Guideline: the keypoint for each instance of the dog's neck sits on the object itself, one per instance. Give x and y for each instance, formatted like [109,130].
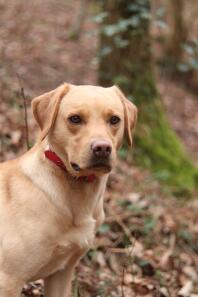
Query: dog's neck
[55,159]
[57,185]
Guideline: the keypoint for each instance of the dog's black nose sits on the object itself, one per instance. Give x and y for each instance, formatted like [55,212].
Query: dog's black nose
[101,148]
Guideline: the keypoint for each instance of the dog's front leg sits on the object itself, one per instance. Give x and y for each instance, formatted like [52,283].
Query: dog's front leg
[99,215]
[9,287]
[59,284]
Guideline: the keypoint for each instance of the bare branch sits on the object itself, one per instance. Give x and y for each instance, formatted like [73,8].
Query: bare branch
[22,92]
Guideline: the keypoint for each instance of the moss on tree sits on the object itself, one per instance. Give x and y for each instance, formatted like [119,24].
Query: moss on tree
[126,60]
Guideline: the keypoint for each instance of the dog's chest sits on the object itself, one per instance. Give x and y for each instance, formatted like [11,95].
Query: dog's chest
[69,246]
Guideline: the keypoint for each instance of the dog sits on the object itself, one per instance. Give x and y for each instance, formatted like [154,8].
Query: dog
[51,198]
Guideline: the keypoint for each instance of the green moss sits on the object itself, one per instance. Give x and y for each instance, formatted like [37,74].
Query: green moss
[158,148]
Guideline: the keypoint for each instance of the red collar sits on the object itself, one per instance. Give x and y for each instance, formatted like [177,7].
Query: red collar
[53,157]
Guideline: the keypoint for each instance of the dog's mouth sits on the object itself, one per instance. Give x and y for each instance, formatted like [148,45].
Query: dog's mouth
[75,166]
[98,166]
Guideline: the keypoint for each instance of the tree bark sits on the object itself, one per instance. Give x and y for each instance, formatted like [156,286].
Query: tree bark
[178,31]
[126,60]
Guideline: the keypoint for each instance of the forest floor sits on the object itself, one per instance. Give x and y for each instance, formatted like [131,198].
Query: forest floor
[148,244]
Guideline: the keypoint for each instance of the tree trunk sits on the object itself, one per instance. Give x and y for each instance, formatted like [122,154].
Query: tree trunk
[178,32]
[126,60]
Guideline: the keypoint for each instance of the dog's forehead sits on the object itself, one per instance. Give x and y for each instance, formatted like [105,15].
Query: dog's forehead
[92,96]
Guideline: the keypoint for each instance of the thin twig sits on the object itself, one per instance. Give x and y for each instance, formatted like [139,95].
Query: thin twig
[125,229]
[1,146]
[122,283]
[22,92]
[130,254]
[132,240]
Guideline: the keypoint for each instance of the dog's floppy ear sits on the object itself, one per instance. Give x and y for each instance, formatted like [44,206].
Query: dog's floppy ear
[130,115]
[45,108]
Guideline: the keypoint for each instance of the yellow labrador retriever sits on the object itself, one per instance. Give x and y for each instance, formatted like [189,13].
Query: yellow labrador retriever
[51,198]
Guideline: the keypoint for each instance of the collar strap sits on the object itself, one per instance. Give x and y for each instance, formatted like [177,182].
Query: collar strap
[54,158]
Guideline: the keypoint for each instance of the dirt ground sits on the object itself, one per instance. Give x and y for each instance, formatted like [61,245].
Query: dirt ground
[148,244]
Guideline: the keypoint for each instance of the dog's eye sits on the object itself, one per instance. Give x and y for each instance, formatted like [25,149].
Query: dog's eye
[114,120]
[75,119]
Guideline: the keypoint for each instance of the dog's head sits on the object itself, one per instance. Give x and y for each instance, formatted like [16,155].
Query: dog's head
[85,125]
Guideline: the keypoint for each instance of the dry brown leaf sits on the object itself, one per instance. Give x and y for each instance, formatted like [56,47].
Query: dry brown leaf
[186,289]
